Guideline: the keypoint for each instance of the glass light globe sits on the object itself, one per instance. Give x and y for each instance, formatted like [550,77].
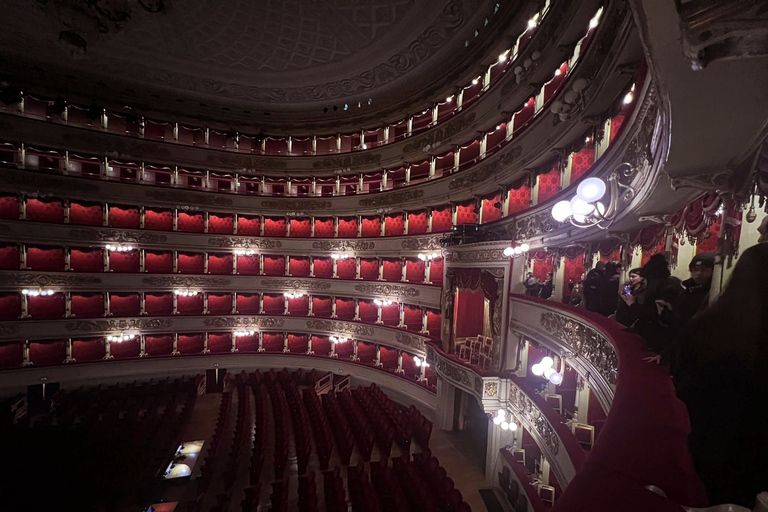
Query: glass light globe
[502,413]
[548,373]
[525,247]
[497,420]
[509,251]
[600,208]
[556,379]
[580,207]
[591,190]
[416,360]
[537,370]
[513,426]
[504,425]
[518,251]
[547,362]
[561,211]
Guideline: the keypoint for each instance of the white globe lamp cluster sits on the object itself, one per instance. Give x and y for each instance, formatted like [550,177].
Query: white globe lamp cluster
[545,369]
[584,205]
[517,251]
[420,362]
[505,423]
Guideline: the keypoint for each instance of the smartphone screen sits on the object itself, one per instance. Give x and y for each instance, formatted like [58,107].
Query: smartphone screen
[627,290]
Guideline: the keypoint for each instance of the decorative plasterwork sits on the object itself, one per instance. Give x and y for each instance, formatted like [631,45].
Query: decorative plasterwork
[99,326]
[391,290]
[490,389]
[244,243]
[343,245]
[345,162]
[477,254]
[455,374]
[260,322]
[297,204]
[189,199]
[585,341]
[485,171]
[409,340]
[116,235]
[435,138]
[422,244]
[185,281]
[295,284]
[391,198]
[526,411]
[340,327]
[30,183]
[46,280]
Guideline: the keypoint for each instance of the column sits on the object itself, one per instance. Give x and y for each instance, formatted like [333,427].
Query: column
[106,260]
[378,314]
[333,306]
[406,219]
[429,221]
[558,281]
[142,216]
[423,374]
[428,272]
[409,126]
[311,311]
[335,226]
[108,349]
[107,304]
[68,305]
[360,184]
[383,224]
[261,343]
[143,304]
[142,260]
[403,269]
[309,343]
[205,303]
[384,179]
[287,265]
[333,350]
[407,174]
[205,343]
[446,395]
[381,269]
[497,439]
[357,309]
[314,152]
[67,258]
[517,275]
[175,344]
[311,266]
[105,215]
[142,345]
[287,225]
[335,268]
[261,264]
[67,207]
[24,306]
[175,304]
[312,219]
[205,263]
[432,166]
[25,348]
[261,224]
[401,323]
[399,362]
[377,361]
[434,114]
[234,303]
[454,213]
[424,317]
[175,257]
[24,249]
[285,305]
[22,204]
[261,303]
[286,350]
[234,264]
[505,202]
[235,217]
[357,267]
[359,226]
[175,219]
[69,358]
[354,351]
[234,344]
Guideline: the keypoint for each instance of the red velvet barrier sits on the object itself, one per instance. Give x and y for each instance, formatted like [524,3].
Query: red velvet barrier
[366,352]
[48,307]
[466,214]
[519,199]
[129,261]
[87,305]
[392,269]
[347,227]
[441,220]
[247,343]
[369,269]
[417,223]
[11,355]
[45,258]
[346,269]
[159,345]
[191,222]
[301,228]
[371,226]
[413,318]
[388,358]
[369,311]
[190,344]
[9,207]
[158,218]
[248,265]
[88,350]
[10,306]
[274,265]
[248,304]
[190,263]
[47,352]
[45,211]
[491,208]
[219,303]
[192,305]
[434,320]
[220,263]
[221,223]
[345,309]
[10,257]
[159,304]
[415,270]
[299,266]
[273,341]
[299,307]
[394,225]
[125,349]
[274,304]
[298,343]
[323,267]
[88,214]
[321,345]
[86,260]
[249,226]
[125,217]
[321,306]
[274,226]
[390,315]
[323,228]
[549,184]
[220,343]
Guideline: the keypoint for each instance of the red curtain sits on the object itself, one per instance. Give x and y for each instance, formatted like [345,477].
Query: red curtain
[390,315]
[46,258]
[127,304]
[88,350]
[158,304]
[87,305]
[436,272]
[366,352]
[86,260]
[220,263]
[248,304]
[247,343]
[124,217]
[412,318]
[434,320]
[469,309]
[128,261]
[219,303]
[158,218]
[45,210]
[88,214]
[248,265]
[344,351]
[301,228]
[323,228]
[158,262]
[441,220]
[274,226]
[221,223]
[394,225]
[49,307]
[323,267]
[417,223]
[348,227]
[392,269]
[190,263]
[274,265]
[249,226]
[388,358]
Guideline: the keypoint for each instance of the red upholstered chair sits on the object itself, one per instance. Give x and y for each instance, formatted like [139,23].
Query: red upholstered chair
[323,228]
[415,270]
[248,265]
[88,350]
[48,307]
[274,226]
[436,272]
[301,228]
[47,352]
[87,305]
[45,258]
[299,266]
[221,223]
[47,210]
[89,214]
[299,307]
[158,218]
[366,352]
[346,269]
[345,308]
[248,225]
[125,217]
[128,261]
[9,207]
[190,344]
[274,265]
[321,345]
[129,304]
[392,269]
[158,262]
[369,269]
[10,257]
[434,320]
[86,260]
[11,355]
[413,318]
[417,223]
[274,304]
[394,225]
[369,311]
[10,306]
[441,220]
[219,343]
[390,315]
[298,343]
[321,306]
[191,222]
[273,341]
[220,263]
[348,227]
[323,267]
[158,345]
[371,226]
[158,304]
[219,303]
[126,349]
[192,305]
[190,263]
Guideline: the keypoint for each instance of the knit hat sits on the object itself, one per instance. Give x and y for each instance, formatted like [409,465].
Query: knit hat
[704,259]
[656,268]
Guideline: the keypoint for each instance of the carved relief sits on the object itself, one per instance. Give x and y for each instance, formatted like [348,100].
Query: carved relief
[185,281]
[491,254]
[410,340]
[265,322]
[20,179]
[296,204]
[244,243]
[491,389]
[295,284]
[482,173]
[44,280]
[187,198]
[387,289]
[345,162]
[527,411]
[341,327]
[422,244]
[388,199]
[116,235]
[435,138]
[343,245]
[142,324]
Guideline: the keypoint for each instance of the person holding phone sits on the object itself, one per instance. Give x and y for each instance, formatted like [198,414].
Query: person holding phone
[635,288]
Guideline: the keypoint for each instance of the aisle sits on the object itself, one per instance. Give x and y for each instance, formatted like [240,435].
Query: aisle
[466,474]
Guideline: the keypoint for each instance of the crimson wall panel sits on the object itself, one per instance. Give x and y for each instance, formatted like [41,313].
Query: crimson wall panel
[125,349]
[191,222]
[394,225]
[127,304]
[49,259]
[274,265]
[519,199]
[345,309]
[415,270]
[436,272]
[87,305]
[301,228]
[299,307]
[158,262]
[190,343]
[321,345]
[10,257]
[274,226]
[366,352]
[128,261]
[323,228]
[125,217]
[159,304]
[86,260]
[192,305]
[88,214]
[160,345]
[248,265]
[10,306]
[47,352]
[390,315]
[298,343]
[11,355]
[190,263]
[346,268]
[273,341]
[369,269]
[248,225]
[412,318]
[417,223]
[347,227]
[323,267]
[220,343]
[158,218]
[220,263]
[321,306]
[441,220]
[247,343]
[219,303]
[274,304]
[45,210]
[9,207]
[369,311]
[388,358]
[434,320]
[392,269]
[48,307]
[248,303]
[371,226]
[221,223]
[88,350]
[299,266]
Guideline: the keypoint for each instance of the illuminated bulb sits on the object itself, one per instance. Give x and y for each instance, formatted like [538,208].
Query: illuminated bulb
[416,361]
[502,413]
[504,425]
[561,211]
[532,23]
[503,57]
[513,426]
[537,370]
[475,81]
[547,362]
[497,420]
[591,190]
[422,257]
[449,99]
[525,247]
[581,207]
[556,379]
[509,251]
[548,372]
[593,23]
[628,98]
[558,72]
[518,251]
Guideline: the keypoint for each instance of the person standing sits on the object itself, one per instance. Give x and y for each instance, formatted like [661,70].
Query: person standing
[695,298]
[609,289]
[532,285]
[636,288]
[548,287]
[591,287]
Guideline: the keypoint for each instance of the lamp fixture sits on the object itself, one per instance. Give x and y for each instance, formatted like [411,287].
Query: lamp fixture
[533,22]
[338,339]
[244,252]
[119,248]
[120,337]
[503,56]
[341,256]
[293,295]
[585,209]
[185,293]
[420,363]
[384,302]
[40,292]
[595,19]
[517,251]
[237,334]
[429,257]
[544,369]
[501,420]
[629,97]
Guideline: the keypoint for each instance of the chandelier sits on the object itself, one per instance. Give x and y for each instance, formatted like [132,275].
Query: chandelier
[429,257]
[40,292]
[293,295]
[420,363]
[119,248]
[185,293]
[244,252]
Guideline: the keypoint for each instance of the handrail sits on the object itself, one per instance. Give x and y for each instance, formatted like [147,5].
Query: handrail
[522,476]
[470,378]
[644,439]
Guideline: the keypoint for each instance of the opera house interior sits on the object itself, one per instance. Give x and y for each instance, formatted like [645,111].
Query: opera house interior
[384,255]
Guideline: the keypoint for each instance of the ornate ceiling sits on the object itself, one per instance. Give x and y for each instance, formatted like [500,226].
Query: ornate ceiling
[235,60]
